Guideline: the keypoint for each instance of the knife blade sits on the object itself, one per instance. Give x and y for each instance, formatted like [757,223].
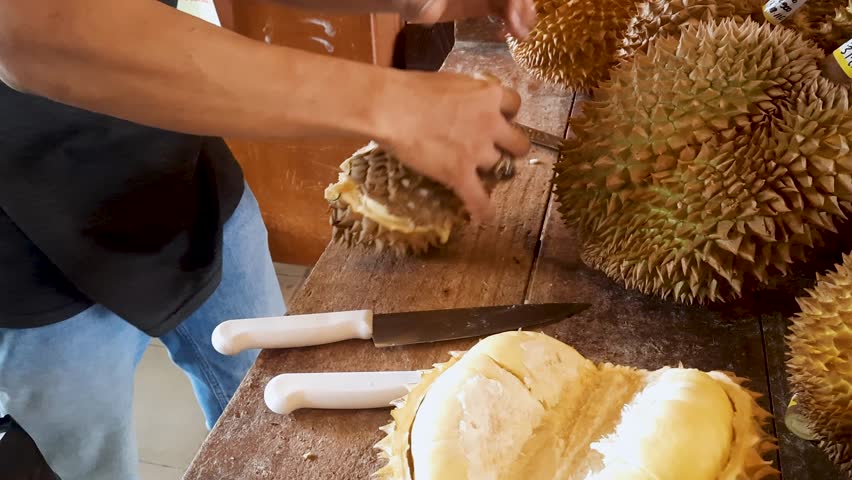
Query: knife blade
[385,330]
[540,138]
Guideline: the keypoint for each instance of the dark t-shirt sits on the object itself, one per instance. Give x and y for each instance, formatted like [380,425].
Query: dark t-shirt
[95,209]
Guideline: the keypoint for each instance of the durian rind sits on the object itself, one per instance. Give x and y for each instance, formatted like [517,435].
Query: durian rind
[656,18]
[378,202]
[494,415]
[828,23]
[709,163]
[819,362]
[574,42]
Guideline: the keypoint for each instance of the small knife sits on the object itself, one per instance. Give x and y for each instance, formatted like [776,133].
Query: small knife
[541,138]
[386,330]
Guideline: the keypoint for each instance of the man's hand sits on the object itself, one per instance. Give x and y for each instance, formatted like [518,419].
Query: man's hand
[520,15]
[447,125]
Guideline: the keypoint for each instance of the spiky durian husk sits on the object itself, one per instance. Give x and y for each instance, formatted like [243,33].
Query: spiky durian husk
[826,22]
[819,362]
[574,42]
[395,447]
[714,160]
[667,17]
[598,393]
[424,211]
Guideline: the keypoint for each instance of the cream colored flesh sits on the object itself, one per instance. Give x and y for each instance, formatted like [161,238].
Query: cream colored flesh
[348,191]
[522,405]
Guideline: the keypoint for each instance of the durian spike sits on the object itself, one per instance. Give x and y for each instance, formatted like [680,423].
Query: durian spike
[819,363]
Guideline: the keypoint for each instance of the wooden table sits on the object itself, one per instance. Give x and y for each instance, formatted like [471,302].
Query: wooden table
[525,255]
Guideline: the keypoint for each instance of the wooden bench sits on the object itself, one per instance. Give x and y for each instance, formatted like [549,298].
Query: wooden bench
[526,255]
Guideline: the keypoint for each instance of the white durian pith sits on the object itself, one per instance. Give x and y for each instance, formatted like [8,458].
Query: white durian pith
[522,405]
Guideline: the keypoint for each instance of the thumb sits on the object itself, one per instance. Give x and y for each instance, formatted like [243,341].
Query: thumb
[474,196]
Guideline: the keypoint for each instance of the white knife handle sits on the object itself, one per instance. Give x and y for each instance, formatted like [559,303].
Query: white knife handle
[337,390]
[291,331]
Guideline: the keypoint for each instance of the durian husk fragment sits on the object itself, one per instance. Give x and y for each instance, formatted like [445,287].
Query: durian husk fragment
[378,202]
[582,420]
[819,362]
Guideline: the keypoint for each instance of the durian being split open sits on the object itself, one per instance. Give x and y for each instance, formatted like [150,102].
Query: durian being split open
[709,163]
[819,362]
[523,405]
[379,202]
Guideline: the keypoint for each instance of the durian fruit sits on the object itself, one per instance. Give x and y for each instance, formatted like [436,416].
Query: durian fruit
[523,405]
[819,363]
[574,42]
[709,163]
[826,22]
[667,17]
[379,202]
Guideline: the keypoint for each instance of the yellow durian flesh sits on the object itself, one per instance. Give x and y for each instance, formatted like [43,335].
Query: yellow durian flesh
[523,405]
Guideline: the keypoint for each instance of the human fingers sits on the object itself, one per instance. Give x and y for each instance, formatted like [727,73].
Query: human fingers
[472,193]
[512,140]
[510,100]
[518,18]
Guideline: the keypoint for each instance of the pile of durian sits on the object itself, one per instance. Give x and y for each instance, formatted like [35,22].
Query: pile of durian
[523,405]
[576,43]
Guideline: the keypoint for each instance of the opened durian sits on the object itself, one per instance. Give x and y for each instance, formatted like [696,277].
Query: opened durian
[709,163]
[523,405]
[819,363]
[574,42]
[379,202]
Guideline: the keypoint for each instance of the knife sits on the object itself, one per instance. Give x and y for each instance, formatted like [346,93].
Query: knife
[386,330]
[289,392]
[540,138]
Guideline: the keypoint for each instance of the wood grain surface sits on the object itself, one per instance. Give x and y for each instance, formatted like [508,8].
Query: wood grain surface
[488,265]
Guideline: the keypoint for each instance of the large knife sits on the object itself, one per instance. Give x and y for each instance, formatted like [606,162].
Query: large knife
[386,330]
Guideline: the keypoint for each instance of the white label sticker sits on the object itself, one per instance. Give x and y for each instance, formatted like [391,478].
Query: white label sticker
[843,55]
[776,11]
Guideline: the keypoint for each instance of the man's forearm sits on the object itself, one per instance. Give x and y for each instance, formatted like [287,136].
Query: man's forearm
[148,63]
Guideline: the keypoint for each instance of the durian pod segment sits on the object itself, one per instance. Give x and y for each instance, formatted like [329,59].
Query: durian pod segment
[710,163]
[819,362]
[574,42]
[378,202]
[523,405]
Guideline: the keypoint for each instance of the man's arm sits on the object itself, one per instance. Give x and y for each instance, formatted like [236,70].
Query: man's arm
[519,14]
[146,62]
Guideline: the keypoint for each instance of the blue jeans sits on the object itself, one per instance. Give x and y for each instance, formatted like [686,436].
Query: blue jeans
[70,384]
